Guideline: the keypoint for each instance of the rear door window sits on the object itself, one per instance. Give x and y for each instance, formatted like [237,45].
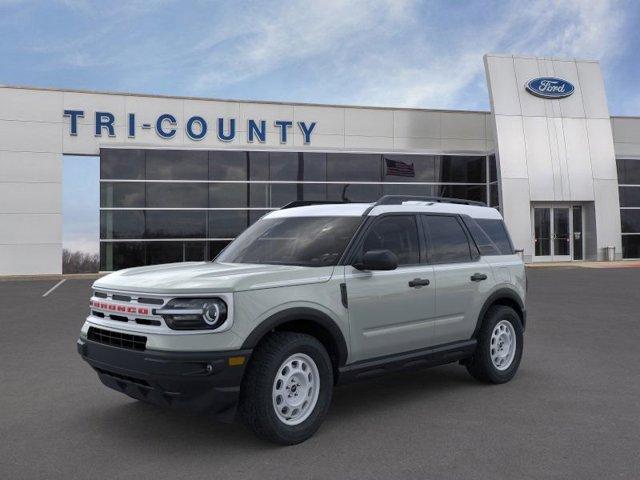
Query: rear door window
[448,242]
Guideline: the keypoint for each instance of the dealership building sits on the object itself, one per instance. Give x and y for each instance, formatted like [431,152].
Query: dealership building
[181,177]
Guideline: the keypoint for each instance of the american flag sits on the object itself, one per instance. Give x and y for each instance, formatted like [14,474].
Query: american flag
[398,168]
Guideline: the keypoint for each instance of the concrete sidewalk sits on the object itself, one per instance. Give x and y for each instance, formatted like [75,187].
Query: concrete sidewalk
[66,276]
[585,264]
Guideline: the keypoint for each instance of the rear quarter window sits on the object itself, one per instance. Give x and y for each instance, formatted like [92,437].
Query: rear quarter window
[485,245]
[497,232]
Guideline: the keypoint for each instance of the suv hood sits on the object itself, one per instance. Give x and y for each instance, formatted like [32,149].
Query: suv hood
[209,277]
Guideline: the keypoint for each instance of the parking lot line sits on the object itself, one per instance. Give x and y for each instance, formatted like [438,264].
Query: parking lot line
[54,287]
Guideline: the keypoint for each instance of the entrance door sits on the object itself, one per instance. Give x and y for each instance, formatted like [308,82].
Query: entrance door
[557,233]
[542,234]
[561,251]
[577,233]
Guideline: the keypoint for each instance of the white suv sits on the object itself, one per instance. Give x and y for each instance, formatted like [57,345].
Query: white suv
[310,296]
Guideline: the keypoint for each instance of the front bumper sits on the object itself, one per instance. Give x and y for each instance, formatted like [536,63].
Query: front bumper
[193,381]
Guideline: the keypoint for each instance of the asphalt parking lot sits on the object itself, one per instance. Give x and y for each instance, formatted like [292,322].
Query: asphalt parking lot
[573,410]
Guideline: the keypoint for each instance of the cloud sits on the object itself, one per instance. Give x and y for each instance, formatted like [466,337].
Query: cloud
[544,28]
[286,34]
[381,56]
[387,52]
[82,243]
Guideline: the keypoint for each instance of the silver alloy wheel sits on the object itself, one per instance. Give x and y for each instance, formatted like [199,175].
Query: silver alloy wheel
[296,389]
[503,345]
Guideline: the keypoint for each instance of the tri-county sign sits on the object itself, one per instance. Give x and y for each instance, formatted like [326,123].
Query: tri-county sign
[196,127]
[549,87]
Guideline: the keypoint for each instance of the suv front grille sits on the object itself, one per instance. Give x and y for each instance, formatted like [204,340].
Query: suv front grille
[117,339]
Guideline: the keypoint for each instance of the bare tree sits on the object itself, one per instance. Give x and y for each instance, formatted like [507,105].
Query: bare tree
[79,262]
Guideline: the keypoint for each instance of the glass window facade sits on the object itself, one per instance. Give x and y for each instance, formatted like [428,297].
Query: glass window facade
[161,206]
[629,191]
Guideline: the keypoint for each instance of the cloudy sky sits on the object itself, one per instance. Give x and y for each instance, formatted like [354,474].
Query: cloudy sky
[392,53]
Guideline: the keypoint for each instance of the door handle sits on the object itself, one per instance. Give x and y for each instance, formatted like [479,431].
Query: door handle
[419,282]
[478,277]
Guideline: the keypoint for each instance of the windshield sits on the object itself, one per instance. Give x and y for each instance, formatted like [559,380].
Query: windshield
[304,241]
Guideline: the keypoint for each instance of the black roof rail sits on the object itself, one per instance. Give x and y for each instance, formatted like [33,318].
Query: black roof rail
[306,203]
[398,199]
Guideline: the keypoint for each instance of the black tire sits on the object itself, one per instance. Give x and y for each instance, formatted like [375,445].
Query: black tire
[480,365]
[256,401]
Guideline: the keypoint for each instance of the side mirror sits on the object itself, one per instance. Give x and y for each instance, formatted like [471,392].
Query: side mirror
[377,260]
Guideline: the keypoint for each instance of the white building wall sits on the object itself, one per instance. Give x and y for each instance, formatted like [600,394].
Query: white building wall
[553,150]
[30,182]
[548,150]
[34,135]
[338,127]
[626,136]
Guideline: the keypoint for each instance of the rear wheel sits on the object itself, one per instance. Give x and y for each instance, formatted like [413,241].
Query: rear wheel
[286,391]
[500,343]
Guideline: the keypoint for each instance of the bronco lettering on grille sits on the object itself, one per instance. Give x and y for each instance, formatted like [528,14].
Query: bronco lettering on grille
[112,307]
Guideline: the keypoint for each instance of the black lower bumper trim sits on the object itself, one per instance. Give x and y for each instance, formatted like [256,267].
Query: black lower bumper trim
[194,381]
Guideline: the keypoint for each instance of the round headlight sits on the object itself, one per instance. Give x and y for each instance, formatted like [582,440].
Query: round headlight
[194,313]
[214,313]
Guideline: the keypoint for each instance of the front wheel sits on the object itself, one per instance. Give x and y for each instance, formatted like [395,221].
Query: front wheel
[500,343]
[287,388]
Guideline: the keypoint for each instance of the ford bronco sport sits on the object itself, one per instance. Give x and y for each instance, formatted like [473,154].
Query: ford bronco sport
[308,297]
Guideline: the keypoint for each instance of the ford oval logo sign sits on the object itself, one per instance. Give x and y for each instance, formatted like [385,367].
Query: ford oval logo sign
[549,87]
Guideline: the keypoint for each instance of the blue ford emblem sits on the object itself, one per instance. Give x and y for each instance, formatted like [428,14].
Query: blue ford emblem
[549,87]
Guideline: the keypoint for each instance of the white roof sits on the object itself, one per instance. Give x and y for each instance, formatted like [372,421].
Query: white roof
[358,209]
[328,210]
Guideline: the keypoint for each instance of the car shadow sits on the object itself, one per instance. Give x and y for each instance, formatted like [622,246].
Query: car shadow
[130,422]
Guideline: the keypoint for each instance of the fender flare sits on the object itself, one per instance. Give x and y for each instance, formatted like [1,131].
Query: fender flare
[300,313]
[502,293]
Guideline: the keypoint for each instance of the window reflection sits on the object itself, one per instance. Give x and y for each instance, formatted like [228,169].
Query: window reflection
[177,195]
[265,180]
[314,166]
[215,248]
[176,165]
[118,255]
[227,223]
[493,168]
[128,195]
[354,167]
[228,195]
[353,192]
[628,171]
[258,166]
[283,193]
[629,196]
[630,221]
[228,165]
[175,224]
[116,224]
[477,193]
[409,168]
[461,169]
[631,246]
[125,164]
[284,166]
[164,252]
